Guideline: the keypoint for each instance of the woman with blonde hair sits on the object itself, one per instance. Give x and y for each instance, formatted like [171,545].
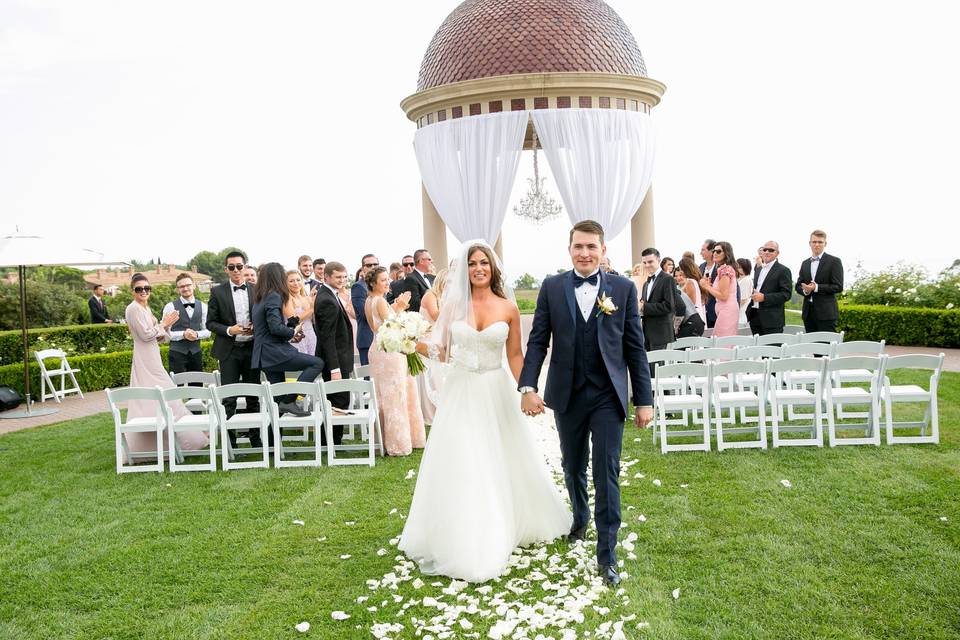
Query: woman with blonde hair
[300,304]
[430,303]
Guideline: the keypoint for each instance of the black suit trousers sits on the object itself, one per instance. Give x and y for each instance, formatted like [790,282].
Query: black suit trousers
[757,329]
[811,324]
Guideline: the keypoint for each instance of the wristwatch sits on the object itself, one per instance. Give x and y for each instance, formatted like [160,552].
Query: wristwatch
[525,390]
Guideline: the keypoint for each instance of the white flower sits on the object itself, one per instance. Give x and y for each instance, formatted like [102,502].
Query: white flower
[606,305]
[641,518]
[381,552]
[303,627]
[949,305]
[786,483]
[899,290]
[299,522]
[339,615]
[410,474]
[943,518]
[346,556]
[676,593]
[657,483]
[889,289]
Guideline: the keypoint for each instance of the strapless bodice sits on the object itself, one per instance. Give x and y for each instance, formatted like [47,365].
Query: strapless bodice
[478,351]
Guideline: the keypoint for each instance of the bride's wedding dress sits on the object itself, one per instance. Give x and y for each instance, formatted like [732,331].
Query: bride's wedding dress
[484,487]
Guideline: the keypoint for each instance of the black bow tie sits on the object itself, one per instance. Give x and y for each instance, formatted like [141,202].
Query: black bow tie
[650,279]
[189,304]
[577,280]
[815,259]
[243,287]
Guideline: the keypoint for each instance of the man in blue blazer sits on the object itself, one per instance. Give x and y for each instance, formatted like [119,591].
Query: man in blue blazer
[593,322]
[358,297]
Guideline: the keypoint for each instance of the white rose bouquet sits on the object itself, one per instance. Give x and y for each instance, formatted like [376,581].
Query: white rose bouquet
[400,334]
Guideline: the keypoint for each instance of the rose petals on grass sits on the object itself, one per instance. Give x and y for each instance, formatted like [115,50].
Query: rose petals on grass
[298,522]
[345,556]
[786,483]
[943,518]
[641,518]
[676,593]
[339,615]
[303,627]
[410,474]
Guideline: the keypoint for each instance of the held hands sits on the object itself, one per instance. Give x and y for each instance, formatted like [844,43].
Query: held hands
[643,416]
[531,404]
[807,287]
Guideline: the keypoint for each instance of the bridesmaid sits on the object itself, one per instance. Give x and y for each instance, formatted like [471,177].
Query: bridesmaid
[430,303]
[147,369]
[301,305]
[724,290]
[396,389]
[427,384]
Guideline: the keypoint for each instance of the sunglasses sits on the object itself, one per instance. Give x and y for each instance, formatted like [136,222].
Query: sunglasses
[408,264]
[767,250]
[146,289]
[236,267]
[371,265]
[718,250]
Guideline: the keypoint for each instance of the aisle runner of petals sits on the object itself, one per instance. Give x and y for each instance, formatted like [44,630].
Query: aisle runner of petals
[541,595]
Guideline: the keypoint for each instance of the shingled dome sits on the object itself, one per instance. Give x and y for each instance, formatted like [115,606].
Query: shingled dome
[485,38]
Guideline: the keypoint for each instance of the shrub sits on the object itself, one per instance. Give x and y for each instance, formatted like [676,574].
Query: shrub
[48,305]
[901,325]
[906,285]
[78,340]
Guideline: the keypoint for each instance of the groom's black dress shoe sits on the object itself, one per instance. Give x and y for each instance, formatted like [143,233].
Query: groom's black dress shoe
[609,574]
[577,534]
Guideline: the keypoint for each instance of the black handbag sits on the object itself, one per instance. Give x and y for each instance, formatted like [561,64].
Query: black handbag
[9,398]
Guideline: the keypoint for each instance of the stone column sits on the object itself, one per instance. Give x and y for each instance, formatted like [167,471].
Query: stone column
[434,232]
[641,227]
[498,248]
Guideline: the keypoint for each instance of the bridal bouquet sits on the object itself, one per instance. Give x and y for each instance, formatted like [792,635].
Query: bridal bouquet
[400,334]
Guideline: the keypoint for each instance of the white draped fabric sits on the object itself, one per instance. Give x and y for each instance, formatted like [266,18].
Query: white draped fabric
[468,166]
[602,160]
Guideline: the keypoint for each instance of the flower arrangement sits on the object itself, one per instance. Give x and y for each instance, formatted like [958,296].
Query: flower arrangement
[400,334]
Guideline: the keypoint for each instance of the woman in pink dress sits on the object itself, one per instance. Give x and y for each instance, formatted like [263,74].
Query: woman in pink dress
[397,392]
[147,370]
[300,304]
[724,290]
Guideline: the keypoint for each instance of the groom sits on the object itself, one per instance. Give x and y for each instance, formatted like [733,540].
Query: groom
[593,320]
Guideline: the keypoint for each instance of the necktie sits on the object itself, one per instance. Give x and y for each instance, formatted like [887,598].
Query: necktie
[241,287]
[578,281]
[190,305]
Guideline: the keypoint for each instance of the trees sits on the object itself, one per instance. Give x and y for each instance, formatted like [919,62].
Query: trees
[526,282]
[211,263]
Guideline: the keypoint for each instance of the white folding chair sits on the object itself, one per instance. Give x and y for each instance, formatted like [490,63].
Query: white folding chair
[205,422]
[314,399]
[244,422]
[691,342]
[855,348]
[698,384]
[780,397]
[751,381]
[837,394]
[708,332]
[743,398]
[744,331]
[146,424]
[190,378]
[793,329]
[690,400]
[368,416]
[735,341]
[778,339]
[911,393]
[822,336]
[801,379]
[359,372]
[660,357]
[64,370]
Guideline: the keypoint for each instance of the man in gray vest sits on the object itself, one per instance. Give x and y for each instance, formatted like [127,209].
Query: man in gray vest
[189,329]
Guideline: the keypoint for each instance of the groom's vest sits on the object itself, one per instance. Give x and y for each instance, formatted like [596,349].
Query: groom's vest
[185,322]
[587,359]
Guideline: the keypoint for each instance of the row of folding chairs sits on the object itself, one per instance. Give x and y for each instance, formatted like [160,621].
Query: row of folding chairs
[761,388]
[212,420]
[750,340]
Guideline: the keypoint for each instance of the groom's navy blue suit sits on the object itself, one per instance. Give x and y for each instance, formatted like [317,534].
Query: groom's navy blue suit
[587,390]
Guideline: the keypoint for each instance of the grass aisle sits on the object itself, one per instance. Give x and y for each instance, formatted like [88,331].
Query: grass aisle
[856,548]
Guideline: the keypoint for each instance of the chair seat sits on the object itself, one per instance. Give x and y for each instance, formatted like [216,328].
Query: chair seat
[145,423]
[681,401]
[736,397]
[752,379]
[854,375]
[62,370]
[850,393]
[906,393]
[356,415]
[801,377]
[792,395]
[242,420]
[702,380]
[192,422]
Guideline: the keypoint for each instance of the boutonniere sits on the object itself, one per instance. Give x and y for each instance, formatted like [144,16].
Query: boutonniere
[605,305]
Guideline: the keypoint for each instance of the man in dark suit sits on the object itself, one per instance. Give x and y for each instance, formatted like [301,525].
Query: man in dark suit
[358,297]
[334,335]
[420,279]
[228,317]
[772,288]
[709,270]
[819,282]
[658,303]
[98,309]
[396,282]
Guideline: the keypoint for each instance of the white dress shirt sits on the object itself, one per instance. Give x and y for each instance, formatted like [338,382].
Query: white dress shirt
[178,335]
[241,305]
[764,271]
[424,276]
[814,265]
[587,296]
[649,285]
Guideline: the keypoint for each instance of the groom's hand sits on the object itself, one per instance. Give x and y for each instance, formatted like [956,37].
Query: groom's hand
[531,404]
[643,416]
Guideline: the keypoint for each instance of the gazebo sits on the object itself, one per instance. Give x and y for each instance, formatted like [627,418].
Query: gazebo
[495,71]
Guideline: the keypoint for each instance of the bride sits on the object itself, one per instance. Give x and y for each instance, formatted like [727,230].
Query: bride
[483,487]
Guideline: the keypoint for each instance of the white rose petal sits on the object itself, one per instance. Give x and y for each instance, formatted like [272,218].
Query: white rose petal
[327,502]
[676,593]
[381,552]
[657,483]
[786,483]
[340,615]
[410,474]
[322,539]
[393,511]
[684,486]
[641,518]
[349,523]
[303,627]
[346,556]
[943,518]
[299,522]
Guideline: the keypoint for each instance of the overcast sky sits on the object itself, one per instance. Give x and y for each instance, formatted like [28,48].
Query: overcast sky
[144,128]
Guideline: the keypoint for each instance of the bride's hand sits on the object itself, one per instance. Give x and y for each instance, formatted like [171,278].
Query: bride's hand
[531,404]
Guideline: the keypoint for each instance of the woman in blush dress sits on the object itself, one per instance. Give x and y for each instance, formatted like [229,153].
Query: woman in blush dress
[428,384]
[745,287]
[724,290]
[301,305]
[147,370]
[397,395]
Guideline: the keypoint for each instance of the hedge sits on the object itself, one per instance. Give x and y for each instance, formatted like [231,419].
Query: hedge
[79,339]
[907,326]
[97,371]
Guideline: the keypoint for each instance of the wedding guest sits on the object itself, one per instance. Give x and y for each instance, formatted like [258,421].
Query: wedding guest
[273,330]
[396,281]
[318,265]
[334,335]
[147,369]
[305,266]
[658,304]
[397,392]
[98,308]
[299,304]
[819,282]
[605,264]
[420,279]
[744,289]
[189,329]
[709,271]
[667,265]
[430,304]
[723,290]
[688,277]
[408,264]
[689,254]
[250,274]
[772,288]
[228,317]
[358,298]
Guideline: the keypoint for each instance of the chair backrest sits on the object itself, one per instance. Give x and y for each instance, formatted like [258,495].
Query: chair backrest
[822,336]
[916,361]
[739,366]
[238,389]
[708,332]
[735,341]
[858,347]
[796,364]
[362,371]
[298,388]
[778,338]
[807,349]
[187,393]
[126,394]
[691,342]
[49,354]
[196,377]
[871,363]
[346,385]
[667,356]
[679,369]
[762,352]
[744,331]
[793,329]
[710,354]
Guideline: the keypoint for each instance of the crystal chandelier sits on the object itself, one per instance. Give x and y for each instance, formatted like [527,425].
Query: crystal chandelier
[537,206]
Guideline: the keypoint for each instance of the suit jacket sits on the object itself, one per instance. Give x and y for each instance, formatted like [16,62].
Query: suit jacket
[659,310]
[334,333]
[221,314]
[271,335]
[777,289]
[619,336]
[358,296]
[417,287]
[823,303]
[98,311]
[396,288]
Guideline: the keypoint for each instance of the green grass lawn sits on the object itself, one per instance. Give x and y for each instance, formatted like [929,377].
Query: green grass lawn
[854,549]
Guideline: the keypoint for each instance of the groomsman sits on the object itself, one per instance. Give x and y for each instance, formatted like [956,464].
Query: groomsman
[228,317]
[318,266]
[305,266]
[250,275]
[709,270]
[98,309]
[657,303]
[335,334]
[819,282]
[187,332]
[420,279]
[358,298]
[772,289]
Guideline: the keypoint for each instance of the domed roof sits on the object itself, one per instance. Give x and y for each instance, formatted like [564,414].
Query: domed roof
[484,38]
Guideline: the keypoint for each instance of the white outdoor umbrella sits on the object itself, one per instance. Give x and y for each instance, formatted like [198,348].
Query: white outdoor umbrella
[22,250]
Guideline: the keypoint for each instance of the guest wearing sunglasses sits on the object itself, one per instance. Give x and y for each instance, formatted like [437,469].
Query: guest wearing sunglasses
[147,369]
[724,290]
[358,298]
[772,288]
[419,280]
